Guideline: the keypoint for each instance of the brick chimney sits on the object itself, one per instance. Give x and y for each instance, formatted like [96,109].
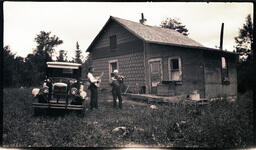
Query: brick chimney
[143,20]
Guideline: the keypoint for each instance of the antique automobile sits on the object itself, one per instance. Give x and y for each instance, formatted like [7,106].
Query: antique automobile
[61,89]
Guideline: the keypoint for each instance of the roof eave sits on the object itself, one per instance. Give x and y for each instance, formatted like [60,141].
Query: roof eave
[95,39]
[188,46]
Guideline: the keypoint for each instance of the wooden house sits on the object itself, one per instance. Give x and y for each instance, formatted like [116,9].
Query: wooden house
[162,61]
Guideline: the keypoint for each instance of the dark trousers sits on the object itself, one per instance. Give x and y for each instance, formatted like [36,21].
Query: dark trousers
[116,92]
[94,97]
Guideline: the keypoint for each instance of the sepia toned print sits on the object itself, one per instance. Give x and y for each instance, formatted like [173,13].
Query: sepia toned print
[128,75]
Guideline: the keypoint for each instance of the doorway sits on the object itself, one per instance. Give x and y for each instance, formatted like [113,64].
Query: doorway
[155,74]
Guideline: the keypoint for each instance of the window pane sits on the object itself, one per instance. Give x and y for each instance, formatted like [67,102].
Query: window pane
[112,42]
[175,64]
[175,76]
[175,72]
[113,66]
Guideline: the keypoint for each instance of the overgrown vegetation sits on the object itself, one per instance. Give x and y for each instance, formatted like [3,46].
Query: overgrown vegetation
[246,67]
[219,124]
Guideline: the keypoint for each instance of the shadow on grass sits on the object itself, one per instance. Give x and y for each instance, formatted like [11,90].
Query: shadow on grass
[55,113]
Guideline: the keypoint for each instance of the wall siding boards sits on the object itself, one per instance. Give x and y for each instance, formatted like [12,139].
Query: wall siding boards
[191,60]
[213,78]
[122,49]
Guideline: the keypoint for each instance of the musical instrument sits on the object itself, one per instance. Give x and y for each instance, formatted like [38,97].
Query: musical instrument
[97,84]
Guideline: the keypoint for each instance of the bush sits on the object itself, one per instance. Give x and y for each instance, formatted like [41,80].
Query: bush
[220,124]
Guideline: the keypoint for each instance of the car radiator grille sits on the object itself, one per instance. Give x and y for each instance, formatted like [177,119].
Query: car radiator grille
[59,90]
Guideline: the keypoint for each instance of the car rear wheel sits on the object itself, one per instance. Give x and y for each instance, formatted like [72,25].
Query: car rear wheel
[82,111]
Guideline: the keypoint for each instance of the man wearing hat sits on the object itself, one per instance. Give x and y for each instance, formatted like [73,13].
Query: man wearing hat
[93,88]
[116,90]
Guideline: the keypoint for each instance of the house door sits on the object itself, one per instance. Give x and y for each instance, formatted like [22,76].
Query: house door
[155,72]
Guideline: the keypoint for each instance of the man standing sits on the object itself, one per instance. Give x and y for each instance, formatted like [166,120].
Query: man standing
[93,88]
[116,89]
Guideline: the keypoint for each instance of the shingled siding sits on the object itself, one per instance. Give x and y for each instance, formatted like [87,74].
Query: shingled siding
[130,65]
[191,62]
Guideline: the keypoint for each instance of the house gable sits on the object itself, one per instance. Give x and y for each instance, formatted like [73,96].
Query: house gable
[112,27]
[126,42]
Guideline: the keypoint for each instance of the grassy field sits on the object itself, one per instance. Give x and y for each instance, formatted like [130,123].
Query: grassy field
[219,124]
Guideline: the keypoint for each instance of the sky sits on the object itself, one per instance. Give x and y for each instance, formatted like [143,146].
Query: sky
[82,21]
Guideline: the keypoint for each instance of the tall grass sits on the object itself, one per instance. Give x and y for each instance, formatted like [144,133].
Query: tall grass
[218,124]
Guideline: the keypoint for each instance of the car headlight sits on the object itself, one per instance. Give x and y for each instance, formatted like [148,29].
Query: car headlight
[73,91]
[46,90]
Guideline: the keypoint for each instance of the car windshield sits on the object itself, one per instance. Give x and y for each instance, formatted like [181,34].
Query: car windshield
[65,73]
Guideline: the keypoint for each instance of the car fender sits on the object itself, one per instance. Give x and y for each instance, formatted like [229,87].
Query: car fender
[35,92]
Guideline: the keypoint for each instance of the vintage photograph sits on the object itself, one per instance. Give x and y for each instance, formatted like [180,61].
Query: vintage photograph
[128,74]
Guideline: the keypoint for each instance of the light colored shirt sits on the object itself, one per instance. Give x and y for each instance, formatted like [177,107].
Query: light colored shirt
[91,78]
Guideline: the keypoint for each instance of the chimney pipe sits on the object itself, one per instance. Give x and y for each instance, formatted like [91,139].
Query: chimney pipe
[221,36]
[142,20]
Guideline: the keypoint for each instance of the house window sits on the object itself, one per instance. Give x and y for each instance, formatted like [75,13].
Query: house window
[224,69]
[113,65]
[112,40]
[174,67]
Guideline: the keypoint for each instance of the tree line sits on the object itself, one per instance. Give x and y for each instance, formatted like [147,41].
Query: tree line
[30,71]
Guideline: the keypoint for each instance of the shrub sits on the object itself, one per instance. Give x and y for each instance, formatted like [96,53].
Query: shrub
[220,124]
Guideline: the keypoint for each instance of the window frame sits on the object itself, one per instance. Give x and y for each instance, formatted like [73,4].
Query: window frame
[170,68]
[110,67]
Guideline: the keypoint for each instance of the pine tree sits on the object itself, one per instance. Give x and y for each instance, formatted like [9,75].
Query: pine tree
[175,25]
[245,68]
[78,56]
[244,40]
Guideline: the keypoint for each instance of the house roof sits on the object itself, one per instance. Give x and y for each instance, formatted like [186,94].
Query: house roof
[157,34]
[154,34]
